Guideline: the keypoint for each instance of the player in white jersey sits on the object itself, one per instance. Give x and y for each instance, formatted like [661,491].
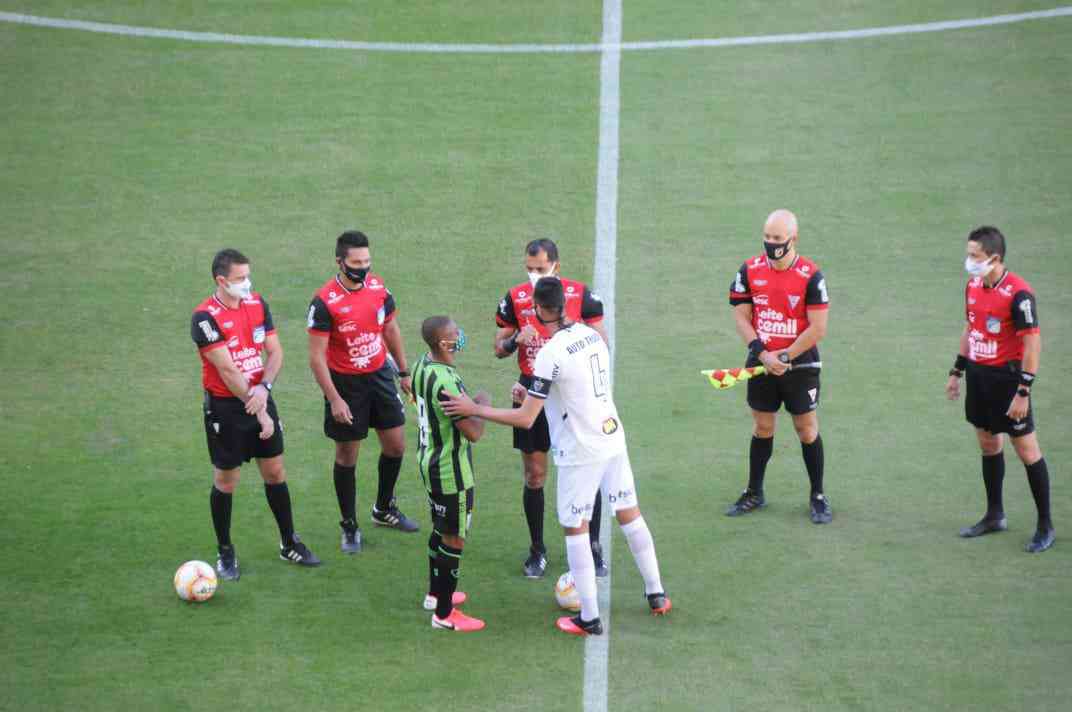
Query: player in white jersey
[571,379]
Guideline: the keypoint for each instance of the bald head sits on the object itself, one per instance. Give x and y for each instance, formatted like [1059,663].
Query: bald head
[780,225]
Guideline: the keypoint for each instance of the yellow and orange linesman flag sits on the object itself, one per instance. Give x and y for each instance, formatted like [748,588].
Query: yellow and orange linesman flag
[727,378]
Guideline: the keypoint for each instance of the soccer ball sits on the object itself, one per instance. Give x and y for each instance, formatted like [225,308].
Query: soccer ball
[195,581]
[566,593]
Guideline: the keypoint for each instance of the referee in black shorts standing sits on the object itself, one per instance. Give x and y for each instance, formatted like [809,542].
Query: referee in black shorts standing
[233,331]
[999,353]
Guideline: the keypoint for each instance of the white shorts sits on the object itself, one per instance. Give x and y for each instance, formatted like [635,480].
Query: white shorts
[578,484]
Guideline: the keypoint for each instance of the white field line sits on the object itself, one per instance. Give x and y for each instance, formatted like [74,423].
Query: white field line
[597,648]
[449,48]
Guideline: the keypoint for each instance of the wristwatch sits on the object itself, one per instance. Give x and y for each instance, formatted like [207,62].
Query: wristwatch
[267,385]
[1023,392]
[783,357]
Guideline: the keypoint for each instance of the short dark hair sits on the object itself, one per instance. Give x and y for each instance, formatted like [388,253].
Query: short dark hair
[349,240]
[548,293]
[221,263]
[990,240]
[431,328]
[543,245]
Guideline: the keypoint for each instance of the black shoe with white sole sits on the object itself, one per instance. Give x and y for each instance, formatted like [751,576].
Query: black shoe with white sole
[227,563]
[298,553]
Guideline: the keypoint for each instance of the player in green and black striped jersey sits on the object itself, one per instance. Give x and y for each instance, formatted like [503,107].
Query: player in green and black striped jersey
[445,460]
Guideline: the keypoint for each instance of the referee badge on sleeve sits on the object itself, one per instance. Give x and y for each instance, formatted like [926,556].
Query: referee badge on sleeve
[258,335]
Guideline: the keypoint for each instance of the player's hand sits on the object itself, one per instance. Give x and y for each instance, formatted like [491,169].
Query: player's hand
[773,365]
[517,393]
[460,405]
[258,399]
[341,412]
[267,426]
[482,398]
[952,388]
[527,335]
[1018,407]
[406,384]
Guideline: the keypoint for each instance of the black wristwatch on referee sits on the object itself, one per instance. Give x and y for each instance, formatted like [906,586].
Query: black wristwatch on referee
[959,366]
[267,385]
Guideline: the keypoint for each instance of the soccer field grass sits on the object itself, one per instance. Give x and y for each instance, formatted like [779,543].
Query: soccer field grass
[127,162]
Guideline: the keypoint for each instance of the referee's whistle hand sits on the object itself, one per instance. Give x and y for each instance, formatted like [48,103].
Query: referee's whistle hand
[341,412]
[952,388]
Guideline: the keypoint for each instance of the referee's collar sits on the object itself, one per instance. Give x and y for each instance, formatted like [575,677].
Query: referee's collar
[997,283]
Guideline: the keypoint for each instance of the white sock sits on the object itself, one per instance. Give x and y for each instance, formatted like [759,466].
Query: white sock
[579,555]
[643,548]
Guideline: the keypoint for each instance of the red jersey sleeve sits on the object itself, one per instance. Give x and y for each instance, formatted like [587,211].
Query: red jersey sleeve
[740,292]
[319,317]
[205,332]
[591,307]
[1025,312]
[815,296]
[504,315]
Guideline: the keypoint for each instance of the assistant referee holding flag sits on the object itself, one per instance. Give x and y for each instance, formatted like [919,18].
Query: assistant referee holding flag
[999,352]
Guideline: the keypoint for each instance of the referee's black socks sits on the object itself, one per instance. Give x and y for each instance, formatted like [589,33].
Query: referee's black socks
[389,469]
[759,454]
[346,490]
[279,501]
[448,563]
[813,460]
[532,501]
[1038,476]
[220,504]
[993,476]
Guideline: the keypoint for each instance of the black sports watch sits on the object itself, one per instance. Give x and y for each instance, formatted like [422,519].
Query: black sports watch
[267,385]
[783,357]
[1023,392]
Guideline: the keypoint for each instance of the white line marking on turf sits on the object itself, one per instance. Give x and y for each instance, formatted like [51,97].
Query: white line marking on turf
[597,648]
[448,48]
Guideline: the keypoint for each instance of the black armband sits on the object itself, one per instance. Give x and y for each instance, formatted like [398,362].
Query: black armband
[403,374]
[1027,379]
[961,363]
[756,347]
[510,345]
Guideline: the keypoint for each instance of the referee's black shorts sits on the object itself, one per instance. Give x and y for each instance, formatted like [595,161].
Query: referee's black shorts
[374,403]
[538,437]
[234,436]
[798,389]
[988,393]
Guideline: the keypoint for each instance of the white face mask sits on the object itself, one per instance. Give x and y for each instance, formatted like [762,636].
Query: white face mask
[978,269]
[239,290]
[535,277]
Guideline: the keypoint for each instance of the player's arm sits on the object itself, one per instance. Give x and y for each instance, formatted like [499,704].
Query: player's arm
[952,386]
[523,417]
[273,350]
[319,328]
[592,313]
[812,335]
[1025,320]
[506,336]
[817,302]
[505,341]
[471,427]
[234,379]
[392,336]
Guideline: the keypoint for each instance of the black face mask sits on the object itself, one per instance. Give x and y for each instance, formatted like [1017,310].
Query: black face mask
[354,275]
[777,250]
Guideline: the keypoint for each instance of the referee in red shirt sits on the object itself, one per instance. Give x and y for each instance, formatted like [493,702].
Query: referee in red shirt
[351,329]
[231,329]
[780,308]
[999,352]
